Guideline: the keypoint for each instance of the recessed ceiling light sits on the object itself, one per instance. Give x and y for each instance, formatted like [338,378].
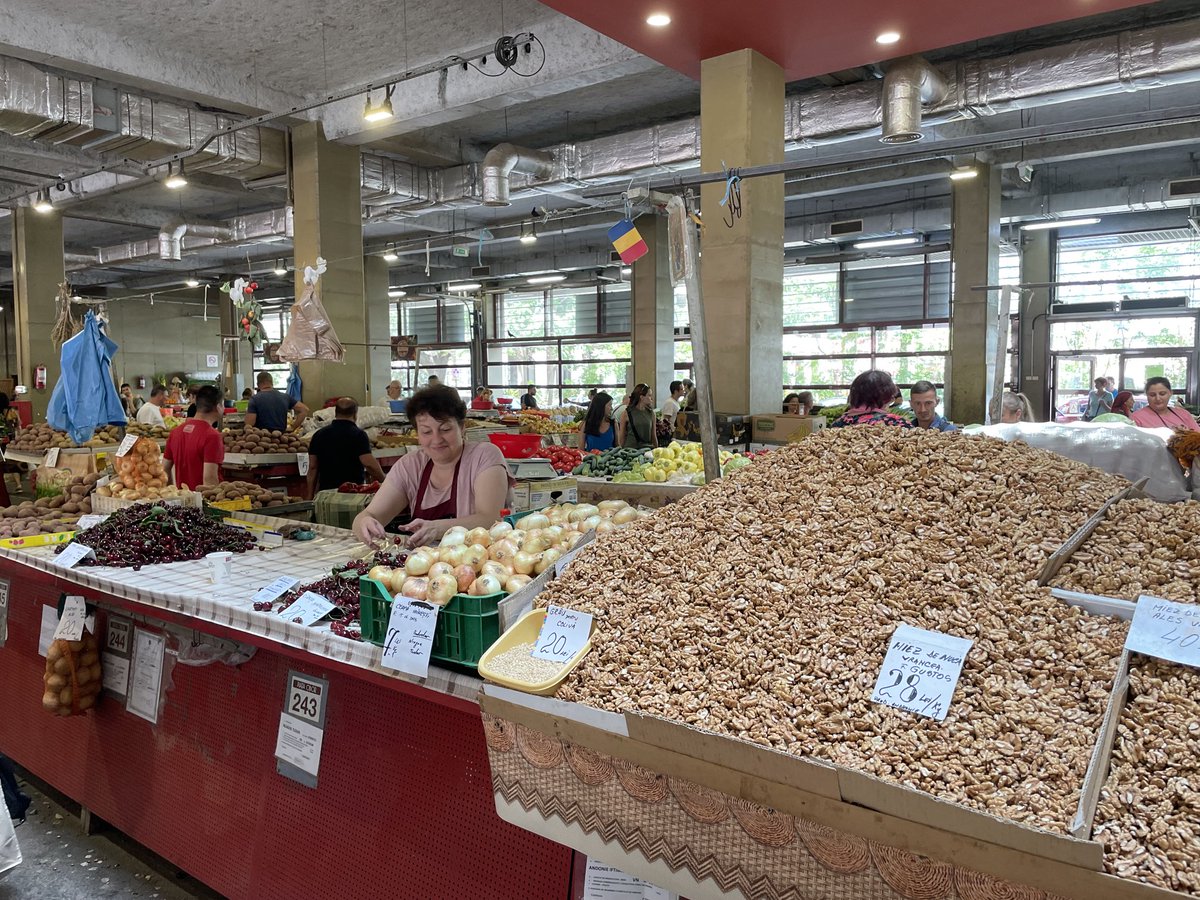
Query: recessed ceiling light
[885,242]
[1059,223]
[658,20]
[546,279]
[472,286]
[963,174]
[888,37]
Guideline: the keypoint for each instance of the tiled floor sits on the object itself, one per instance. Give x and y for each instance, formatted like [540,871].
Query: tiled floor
[62,863]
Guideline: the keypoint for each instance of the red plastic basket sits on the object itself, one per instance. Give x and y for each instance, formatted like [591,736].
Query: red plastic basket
[517,446]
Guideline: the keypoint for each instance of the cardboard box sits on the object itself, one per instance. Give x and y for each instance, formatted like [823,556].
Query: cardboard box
[732,430]
[540,493]
[779,428]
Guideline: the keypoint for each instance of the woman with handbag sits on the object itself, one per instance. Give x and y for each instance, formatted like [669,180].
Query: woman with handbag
[635,428]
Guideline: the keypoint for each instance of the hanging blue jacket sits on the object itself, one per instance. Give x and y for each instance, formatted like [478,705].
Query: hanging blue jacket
[295,385]
[85,397]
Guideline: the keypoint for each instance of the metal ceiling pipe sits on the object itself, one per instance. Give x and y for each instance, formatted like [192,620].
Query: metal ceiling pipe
[241,229]
[170,239]
[504,159]
[909,83]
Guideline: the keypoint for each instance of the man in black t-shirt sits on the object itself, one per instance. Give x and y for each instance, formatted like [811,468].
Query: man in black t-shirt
[341,452]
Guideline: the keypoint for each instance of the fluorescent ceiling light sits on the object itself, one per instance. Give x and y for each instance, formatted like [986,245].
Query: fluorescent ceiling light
[546,279]
[397,292]
[887,37]
[175,179]
[963,174]
[42,204]
[848,300]
[658,20]
[471,286]
[389,255]
[885,242]
[1059,223]
[787,245]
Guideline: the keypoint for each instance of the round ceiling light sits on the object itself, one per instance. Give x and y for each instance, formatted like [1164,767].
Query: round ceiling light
[658,20]
[888,37]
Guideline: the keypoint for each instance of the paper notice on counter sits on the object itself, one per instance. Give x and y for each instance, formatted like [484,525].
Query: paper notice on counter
[275,589]
[309,608]
[604,882]
[51,458]
[299,743]
[920,671]
[302,463]
[72,554]
[49,626]
[70,624]
[146,675]
[409,638]
[1166,629]
[564,632]
[116,674]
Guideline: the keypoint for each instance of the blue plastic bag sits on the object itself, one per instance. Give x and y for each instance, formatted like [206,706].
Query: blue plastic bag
[295,385]
[85,397]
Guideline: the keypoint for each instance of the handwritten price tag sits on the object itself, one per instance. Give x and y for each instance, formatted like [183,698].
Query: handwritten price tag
[90,520]
[127,444]
[1166,629]
[70,625]
[72,554]
[309,608]
[410,637]
[920,671]
[275,589]
[302,463]
[564,632]
[51,459]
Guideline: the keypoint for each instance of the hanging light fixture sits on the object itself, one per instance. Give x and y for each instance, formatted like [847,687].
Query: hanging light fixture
[280,267]
[42,204]
[175,179]
[192,281]
[389,254]
[381,112]
[529,233]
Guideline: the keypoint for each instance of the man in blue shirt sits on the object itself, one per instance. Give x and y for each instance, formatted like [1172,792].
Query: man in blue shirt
[268,408]
[923,399]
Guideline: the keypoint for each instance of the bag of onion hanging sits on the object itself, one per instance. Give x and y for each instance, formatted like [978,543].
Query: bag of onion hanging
[73,676]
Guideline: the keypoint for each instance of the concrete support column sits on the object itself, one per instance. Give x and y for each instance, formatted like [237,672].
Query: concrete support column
[1037,267]
[38,270]
[379,329]
[328,223]
[653,308]
[973,329]
[741,124]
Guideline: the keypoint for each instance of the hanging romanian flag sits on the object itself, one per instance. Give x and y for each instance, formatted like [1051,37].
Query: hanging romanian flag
[627,241]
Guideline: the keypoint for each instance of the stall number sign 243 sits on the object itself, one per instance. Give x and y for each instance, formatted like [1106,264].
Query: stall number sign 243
[304,699]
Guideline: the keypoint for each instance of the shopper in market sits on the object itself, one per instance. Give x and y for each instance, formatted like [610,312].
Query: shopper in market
[1159,413]
[597,431]
[1099,400]
[635,427]
[394,390]
[130,401]
[798,404]
[150,412]
[195,450]
[447,482]
[923,398]
[1015,408]
[529,398]
[341,451]
[671,406]
[871,396]
[269,408]
[1122,407]
[483,399]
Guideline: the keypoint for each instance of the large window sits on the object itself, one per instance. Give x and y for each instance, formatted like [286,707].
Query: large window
[442,327]
[1131,258]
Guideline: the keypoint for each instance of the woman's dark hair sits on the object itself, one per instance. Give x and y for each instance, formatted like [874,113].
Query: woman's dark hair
[873,389]
[4,402]
[635,396]
[438,401]
[595,413]
[789,398]
[1158,379]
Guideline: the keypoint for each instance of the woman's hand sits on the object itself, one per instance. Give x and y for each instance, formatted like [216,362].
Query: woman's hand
[368,529]
[425,531]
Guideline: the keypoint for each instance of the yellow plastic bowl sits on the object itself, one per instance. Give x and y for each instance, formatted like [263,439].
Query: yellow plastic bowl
[526,630]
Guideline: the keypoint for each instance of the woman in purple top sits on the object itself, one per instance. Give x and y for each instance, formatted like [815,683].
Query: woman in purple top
[871,393]
[447,482]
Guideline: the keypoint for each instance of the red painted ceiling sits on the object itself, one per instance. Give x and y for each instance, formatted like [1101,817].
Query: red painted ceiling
[815,37]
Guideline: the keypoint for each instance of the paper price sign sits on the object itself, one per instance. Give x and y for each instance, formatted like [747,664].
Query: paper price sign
[51,459]
[920,671]
[72,554]
[70,624]
[127,444]
[564,632]
[275,589]
[1166,629]
[90,520]
[302,463]
[309,608]
[410,637]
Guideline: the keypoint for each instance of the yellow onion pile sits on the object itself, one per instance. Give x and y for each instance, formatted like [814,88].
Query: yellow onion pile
[503,558]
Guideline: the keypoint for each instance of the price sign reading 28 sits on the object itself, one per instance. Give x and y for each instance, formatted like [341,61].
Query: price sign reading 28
[920,671]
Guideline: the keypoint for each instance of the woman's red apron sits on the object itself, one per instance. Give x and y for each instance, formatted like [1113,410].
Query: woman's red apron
[447,509]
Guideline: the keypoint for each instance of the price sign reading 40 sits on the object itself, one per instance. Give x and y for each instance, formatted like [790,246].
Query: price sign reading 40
[1167,630]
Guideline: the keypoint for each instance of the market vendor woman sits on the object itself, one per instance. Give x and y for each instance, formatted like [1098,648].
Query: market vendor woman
[447,482]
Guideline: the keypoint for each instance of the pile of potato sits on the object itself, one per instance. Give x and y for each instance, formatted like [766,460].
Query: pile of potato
[104,437]
[385,440]
[259,497]
[151,431]
[49,514]
[73,676]
[258,440]
[39,438]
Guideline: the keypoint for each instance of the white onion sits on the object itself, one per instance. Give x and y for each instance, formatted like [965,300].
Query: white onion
[557,517]
[382,574]
[535,522]
[454,537]
[625,516]
[611,507]
[582,511]
[500,530]
[516,582]
[497,570]
[605,527]
[524,562]
[573,539]
[464,575]
[502,552]
[536,543]
[485,584]
[554,532]
[454,555]
[440,568]
[475,556]
[479,536]
[442,589]
[516,537]
[546,560]
[418,562]
[416,588]
[591,523]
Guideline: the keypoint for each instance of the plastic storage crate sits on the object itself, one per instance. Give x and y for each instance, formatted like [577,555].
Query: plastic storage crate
[466,627]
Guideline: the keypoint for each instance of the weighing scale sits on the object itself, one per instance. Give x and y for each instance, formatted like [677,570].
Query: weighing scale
[531,469]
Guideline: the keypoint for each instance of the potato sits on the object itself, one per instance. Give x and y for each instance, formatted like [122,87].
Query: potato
[75,646]
[89,658]
[64,711]
[97,673]
[87,702]
[50,701]
[83,675]
[55,682]
[65,696]
[54,652]
[62,666]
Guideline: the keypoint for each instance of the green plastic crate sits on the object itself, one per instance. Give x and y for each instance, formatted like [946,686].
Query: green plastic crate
[467,626]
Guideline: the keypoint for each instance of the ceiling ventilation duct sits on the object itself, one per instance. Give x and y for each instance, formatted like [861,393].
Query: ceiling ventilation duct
[504,159]
[37,104]
[170,239]
[909,84]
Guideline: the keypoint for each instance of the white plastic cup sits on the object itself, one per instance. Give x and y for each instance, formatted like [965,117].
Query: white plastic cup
[220,566]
